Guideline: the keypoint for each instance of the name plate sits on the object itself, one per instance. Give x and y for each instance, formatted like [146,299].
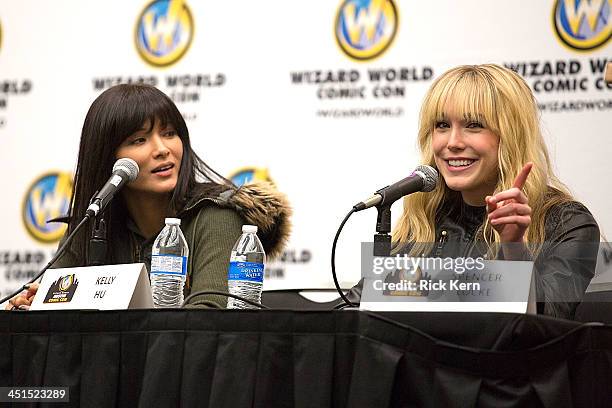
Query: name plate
[602,281]
[429,284]
[105,287]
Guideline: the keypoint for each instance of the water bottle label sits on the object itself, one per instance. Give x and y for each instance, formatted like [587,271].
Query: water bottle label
[246,271]
[169,265]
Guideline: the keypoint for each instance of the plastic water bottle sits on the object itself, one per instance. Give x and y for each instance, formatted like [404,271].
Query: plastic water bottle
[169,265]
[246,269]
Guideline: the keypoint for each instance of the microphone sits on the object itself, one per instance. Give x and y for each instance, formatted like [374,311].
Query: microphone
[423,178]
[124,170]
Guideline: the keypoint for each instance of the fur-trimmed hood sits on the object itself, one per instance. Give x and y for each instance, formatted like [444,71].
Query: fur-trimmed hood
[259,203]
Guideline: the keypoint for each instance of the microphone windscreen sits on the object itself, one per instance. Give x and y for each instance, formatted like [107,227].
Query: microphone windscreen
[129,166]
[431,177]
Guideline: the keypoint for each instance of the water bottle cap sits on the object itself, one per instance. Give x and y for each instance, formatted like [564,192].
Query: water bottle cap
[172,221]
[249,228]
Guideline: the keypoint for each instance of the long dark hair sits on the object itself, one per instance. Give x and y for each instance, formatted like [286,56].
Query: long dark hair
[117,113]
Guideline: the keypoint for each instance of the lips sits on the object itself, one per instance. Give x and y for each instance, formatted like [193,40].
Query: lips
[457,164]
[163,168]
[460,162]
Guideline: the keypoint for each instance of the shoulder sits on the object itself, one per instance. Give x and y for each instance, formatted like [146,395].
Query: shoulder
[571,216]
[211,211]
[259,204]
[209,215]
[203,194]
[568,210]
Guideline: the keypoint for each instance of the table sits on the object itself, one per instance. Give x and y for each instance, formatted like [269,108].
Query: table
[276,358]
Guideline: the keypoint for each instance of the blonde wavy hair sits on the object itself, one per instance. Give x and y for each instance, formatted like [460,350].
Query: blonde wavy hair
[503,100]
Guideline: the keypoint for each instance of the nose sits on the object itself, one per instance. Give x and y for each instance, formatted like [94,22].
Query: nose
[159,147]
[455,139]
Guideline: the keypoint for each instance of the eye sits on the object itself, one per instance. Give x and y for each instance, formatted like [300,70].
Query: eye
[138,141]
[170,133]
[474,125]
[441,125]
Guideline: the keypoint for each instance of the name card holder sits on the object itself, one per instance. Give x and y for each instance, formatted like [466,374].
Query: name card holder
[602,281]
[499,286]
[106,287]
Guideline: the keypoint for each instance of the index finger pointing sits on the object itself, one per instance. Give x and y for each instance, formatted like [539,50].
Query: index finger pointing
[519,181]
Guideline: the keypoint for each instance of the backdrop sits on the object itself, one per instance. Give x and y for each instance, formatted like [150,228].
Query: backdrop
[319,96]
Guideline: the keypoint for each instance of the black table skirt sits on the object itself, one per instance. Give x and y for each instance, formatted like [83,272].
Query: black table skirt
[211,358]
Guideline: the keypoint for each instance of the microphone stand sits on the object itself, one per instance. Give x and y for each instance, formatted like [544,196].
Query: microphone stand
[96,251]
[382,239]
[382,242]
[96,255]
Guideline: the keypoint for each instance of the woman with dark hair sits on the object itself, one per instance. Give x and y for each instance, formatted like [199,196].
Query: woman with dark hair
[141,123]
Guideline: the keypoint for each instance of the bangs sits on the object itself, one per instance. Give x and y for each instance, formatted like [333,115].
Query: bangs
[465,94]
[139,106]
[144,106]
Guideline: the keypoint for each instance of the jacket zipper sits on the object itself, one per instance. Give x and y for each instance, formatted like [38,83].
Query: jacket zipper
[441,242]
[137,250]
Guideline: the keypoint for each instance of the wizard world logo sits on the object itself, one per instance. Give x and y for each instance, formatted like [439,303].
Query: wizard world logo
[366,28]
[164,31]
[62,290]
[247,175]
[583,25]
[47,197]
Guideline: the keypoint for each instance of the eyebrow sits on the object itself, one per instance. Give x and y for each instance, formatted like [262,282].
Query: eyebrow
[466,117]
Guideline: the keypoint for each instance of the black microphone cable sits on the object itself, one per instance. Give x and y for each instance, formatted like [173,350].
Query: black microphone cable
[333,260]
[59,252]
[128,169]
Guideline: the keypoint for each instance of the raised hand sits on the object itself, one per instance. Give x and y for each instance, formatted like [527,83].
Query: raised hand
[509,211]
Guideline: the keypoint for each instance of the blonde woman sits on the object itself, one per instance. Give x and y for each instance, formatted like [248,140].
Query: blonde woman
[479,126]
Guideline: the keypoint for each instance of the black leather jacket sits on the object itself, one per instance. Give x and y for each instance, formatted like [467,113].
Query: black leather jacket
[563,268]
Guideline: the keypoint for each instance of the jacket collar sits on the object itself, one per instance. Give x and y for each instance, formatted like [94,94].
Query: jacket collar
[258,203]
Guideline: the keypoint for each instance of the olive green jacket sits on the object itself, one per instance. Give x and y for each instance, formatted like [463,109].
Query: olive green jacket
[211,225]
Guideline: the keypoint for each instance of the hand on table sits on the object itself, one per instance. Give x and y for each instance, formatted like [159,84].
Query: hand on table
[23,300]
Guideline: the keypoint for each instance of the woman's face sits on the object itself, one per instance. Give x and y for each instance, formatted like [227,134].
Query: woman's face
[158,153]
[465,153]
